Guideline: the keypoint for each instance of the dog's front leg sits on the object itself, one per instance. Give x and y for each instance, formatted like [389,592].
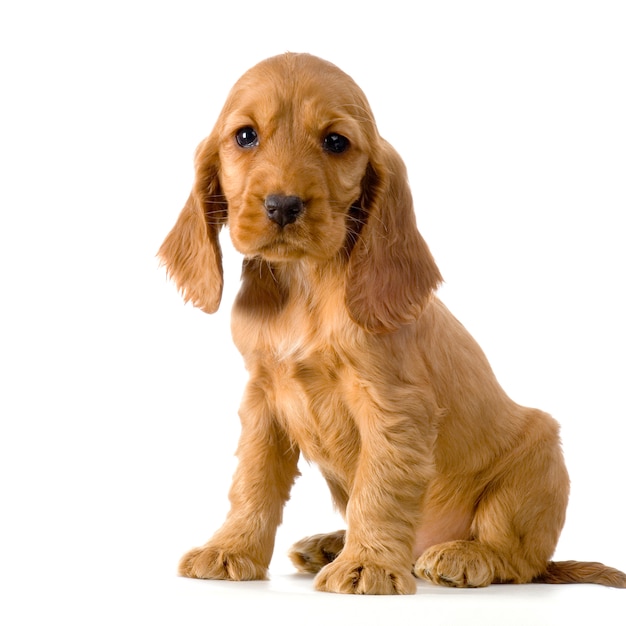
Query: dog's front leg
[242,548]
[382,513]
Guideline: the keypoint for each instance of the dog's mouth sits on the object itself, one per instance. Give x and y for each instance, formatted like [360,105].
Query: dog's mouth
[281,250]
[273,242]
[314,233]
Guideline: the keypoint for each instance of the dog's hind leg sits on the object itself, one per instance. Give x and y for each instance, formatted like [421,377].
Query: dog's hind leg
[516,525]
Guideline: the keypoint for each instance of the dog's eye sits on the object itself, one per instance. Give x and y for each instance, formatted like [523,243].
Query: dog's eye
[247,137]
[336,143]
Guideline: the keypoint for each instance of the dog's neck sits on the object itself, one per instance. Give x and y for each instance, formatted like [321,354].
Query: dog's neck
[268,286]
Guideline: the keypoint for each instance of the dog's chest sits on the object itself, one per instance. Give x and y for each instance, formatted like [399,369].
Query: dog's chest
[312,388]
[312,393]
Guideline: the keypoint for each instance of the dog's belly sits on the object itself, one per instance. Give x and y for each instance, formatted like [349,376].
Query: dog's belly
[447,511]
[438,526]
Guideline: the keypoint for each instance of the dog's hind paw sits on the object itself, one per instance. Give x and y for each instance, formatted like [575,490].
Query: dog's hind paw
[312,553]
[456,564]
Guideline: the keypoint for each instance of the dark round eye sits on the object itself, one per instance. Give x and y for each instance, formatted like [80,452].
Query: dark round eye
[247,137]
[336,143]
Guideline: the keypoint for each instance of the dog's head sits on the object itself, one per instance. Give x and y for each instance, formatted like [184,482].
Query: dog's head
[297,170]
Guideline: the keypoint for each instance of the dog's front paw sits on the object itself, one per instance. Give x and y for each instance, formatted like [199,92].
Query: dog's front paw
[456,564]
[215,563]
[346,576]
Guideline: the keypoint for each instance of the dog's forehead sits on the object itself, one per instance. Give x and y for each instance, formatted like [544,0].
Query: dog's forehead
[298,82]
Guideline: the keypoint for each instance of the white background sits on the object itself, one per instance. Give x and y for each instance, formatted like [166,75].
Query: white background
[119,404]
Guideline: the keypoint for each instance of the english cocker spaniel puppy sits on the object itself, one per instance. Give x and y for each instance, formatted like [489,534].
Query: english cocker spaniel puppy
[353,361]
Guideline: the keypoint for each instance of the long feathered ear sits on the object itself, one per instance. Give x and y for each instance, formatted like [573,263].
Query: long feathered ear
[191,252]
[391,272]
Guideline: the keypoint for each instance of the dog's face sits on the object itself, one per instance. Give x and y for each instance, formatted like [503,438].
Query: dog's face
[297,170]
[293,144]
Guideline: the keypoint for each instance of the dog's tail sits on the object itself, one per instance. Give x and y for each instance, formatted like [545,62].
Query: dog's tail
[564,572]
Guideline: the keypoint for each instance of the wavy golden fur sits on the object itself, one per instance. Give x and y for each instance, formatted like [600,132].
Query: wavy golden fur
[354,362]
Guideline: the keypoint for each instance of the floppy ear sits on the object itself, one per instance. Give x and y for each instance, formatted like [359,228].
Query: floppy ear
[391,272]
[191,252]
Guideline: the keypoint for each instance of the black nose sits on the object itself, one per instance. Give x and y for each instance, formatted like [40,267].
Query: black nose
[283,209]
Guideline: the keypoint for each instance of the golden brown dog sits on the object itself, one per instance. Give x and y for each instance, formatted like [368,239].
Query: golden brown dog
[354,362]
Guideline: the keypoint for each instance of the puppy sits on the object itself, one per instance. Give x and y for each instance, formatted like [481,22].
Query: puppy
[353,361]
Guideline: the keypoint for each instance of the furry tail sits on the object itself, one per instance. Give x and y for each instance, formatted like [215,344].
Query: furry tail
[563,572]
